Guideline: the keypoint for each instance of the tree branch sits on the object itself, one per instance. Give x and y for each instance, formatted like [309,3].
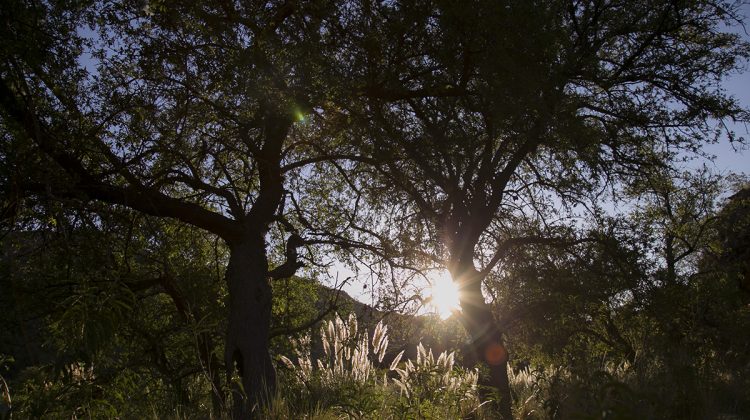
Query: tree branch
[508,244]
[137,197]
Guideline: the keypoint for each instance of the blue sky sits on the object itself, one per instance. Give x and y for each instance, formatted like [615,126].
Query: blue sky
[738,85]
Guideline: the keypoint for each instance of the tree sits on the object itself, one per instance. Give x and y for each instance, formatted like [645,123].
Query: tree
[103,325]
[733,238]
[608,314]
[676,209]
[185,111]
[491,124]
[566,305]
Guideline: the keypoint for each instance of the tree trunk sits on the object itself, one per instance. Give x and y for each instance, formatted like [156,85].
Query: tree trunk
[486,342]
[246,352]
[670,258]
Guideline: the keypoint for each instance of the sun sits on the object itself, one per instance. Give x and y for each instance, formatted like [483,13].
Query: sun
[443,294]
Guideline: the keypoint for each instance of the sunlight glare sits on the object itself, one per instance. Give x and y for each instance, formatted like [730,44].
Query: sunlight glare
[443,295]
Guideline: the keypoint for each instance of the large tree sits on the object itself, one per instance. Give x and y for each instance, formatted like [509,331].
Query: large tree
[492,123]
[182,110]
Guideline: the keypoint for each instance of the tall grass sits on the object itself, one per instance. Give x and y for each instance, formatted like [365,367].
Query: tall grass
[350,380]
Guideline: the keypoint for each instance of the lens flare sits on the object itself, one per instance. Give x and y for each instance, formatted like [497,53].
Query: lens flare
[443,295]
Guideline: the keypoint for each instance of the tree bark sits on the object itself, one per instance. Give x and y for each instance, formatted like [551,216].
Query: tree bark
[246,353]
[669,256]
[486,341]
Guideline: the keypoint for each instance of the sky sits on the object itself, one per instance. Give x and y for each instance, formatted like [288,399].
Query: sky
[737,85]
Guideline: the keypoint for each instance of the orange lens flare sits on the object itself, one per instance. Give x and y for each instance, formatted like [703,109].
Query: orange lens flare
[495,354]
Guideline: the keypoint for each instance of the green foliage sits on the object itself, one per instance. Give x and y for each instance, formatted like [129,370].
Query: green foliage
[295,303]
[624,337]
[604,393]
[6,405]
[113,330]
[401,135]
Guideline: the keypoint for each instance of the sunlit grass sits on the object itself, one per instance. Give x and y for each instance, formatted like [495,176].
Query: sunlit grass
[357,377]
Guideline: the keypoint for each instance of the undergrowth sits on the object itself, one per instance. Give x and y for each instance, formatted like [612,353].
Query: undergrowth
[348,382]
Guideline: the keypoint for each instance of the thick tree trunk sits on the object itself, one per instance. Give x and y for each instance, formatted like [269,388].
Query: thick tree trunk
[246,352]
[486,342]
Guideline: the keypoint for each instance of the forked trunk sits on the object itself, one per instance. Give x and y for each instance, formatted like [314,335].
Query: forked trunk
[486,342]
[246,354]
